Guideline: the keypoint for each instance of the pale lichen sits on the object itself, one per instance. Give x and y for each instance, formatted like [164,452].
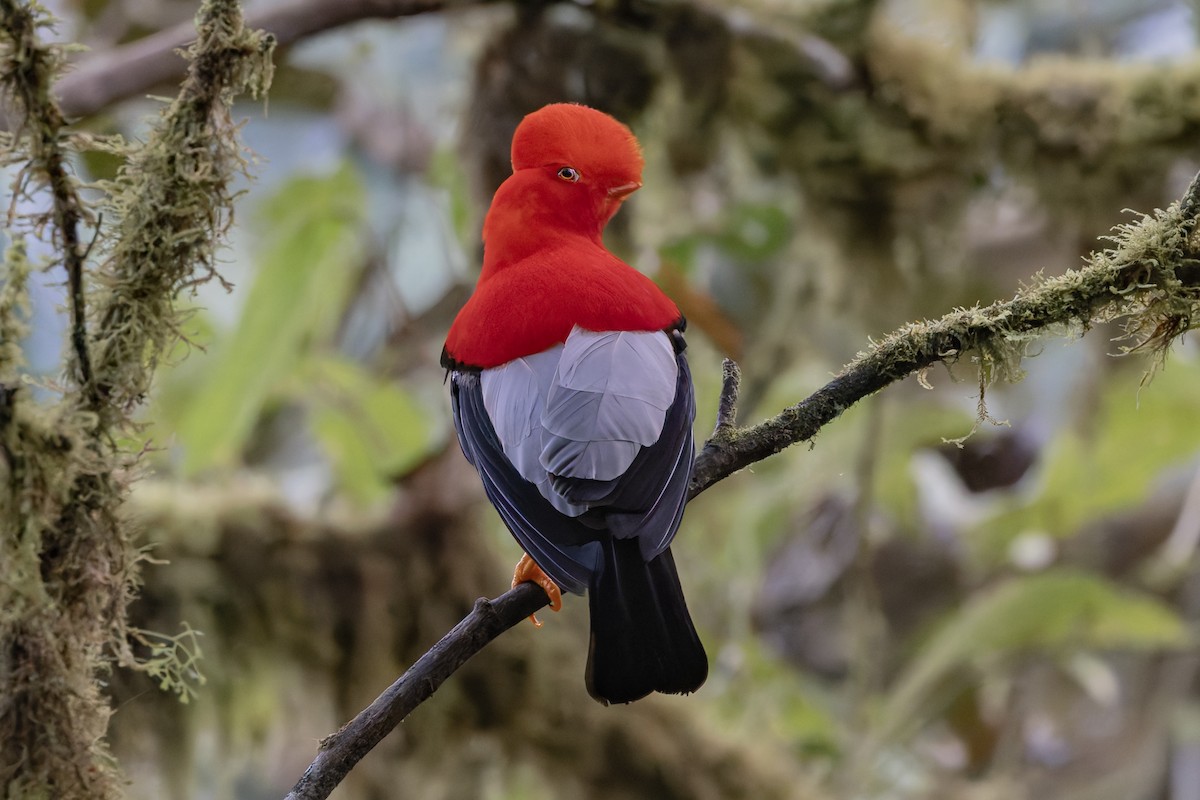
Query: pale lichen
[174,199]
[14,309]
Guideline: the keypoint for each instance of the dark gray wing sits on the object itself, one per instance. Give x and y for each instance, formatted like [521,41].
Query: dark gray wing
[562,546]
[606,402]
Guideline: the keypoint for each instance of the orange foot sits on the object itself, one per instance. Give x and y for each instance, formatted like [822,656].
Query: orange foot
[526,570]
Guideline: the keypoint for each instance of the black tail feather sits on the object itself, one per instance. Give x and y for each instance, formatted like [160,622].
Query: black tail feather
[642,639]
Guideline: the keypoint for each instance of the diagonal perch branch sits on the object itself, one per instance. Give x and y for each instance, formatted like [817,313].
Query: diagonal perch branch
[1150,278]
[340,751]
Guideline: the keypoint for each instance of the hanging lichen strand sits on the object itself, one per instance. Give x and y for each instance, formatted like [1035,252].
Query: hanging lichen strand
[68,566]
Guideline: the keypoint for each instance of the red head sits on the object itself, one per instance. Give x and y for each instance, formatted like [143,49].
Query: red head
[572,168]
[545,268]
[603,151]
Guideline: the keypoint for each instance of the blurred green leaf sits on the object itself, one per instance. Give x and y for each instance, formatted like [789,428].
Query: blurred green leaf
[372,430]
[446,172]
[183,371]
[681,253]
[755,232]
[309,263]
[1135,435]
[1053,610]
[1141,434]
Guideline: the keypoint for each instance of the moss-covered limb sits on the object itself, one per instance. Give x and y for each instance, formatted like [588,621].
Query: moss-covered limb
[67,561]
[27,71]
[1084,107]
[1149,279]
[52,715]
[1085,134]
[14,309]
[174,201]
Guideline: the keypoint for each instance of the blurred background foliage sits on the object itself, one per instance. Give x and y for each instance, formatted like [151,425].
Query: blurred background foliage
[889,613]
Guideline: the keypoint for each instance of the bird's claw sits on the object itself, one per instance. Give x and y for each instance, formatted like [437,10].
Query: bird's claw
[527,570]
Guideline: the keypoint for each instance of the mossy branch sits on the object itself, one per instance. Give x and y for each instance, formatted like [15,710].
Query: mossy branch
[26,74]
[14,310]
[174,201]
[68,567]
[1150,278]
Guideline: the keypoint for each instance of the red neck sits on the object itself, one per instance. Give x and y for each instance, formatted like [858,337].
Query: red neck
[529,212]
[545,270]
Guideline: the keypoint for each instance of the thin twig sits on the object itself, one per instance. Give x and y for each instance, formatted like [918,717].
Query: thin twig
[731,382]
[73,260]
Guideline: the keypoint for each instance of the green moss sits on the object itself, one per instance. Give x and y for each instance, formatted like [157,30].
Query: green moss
[1148,278]
[68,567]
[173,199]
[14,309]
[1136,281]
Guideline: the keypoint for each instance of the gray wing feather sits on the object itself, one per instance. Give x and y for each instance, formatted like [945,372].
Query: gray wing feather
[607,400]
[603,404]
[514,395]
[562,546]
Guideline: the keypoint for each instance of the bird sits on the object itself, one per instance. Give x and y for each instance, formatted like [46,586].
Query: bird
[572,398]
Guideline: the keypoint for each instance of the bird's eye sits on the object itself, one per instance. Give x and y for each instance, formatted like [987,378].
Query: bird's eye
[569,174]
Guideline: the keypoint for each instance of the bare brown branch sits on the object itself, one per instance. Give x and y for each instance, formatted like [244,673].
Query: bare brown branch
[135,68]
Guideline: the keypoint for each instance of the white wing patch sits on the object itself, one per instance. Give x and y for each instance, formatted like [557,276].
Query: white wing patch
[584,409]
[514,395]
[608,400]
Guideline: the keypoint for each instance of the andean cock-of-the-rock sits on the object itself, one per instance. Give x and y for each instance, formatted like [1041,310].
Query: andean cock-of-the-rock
[572,398]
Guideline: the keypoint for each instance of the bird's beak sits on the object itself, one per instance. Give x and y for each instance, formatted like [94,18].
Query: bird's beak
[624,190]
